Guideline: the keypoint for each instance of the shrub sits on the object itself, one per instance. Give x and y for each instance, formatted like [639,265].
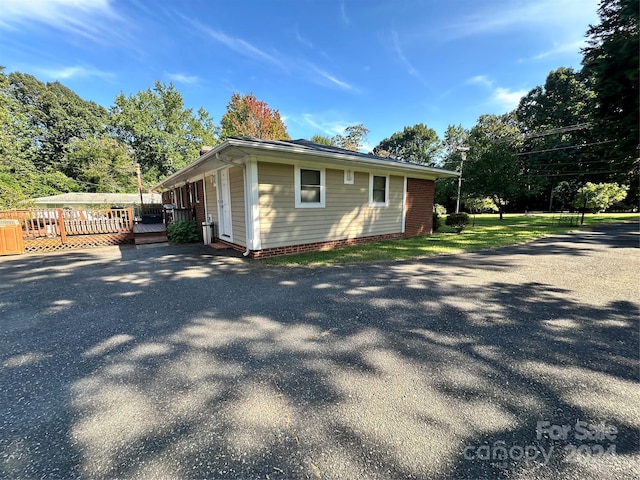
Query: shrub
[457,220]
[438,211]
[183,232]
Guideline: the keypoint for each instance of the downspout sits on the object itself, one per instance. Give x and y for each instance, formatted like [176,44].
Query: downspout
[246,200]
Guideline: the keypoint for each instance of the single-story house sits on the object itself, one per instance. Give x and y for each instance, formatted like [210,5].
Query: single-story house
[83,200]
[268,197]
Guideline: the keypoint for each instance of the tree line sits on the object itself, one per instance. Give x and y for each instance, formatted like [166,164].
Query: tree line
[578,127]
[576,131]
[53,141]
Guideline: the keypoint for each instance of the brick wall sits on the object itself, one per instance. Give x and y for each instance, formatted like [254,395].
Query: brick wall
[313,247]
[419,218]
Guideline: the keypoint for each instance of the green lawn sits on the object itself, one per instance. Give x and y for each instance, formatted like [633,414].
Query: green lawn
[489,232]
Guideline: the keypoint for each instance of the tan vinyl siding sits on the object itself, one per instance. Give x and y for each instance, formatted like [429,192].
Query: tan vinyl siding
[212,199]
[346,213]
[236,185]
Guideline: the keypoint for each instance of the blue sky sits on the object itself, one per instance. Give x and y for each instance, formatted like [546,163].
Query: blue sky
[324,64]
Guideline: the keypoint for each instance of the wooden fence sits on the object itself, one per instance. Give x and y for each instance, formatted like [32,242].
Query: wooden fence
[60,228]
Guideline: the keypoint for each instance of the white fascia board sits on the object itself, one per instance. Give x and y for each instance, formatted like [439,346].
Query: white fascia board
[339,159]
[184,173]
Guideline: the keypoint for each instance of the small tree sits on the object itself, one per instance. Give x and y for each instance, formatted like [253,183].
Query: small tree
[354,138]
[246,116]
[480,205]
[597,197]
[321,139]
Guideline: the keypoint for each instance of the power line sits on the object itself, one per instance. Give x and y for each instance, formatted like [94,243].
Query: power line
[565,148]
[552,131]
[577,174]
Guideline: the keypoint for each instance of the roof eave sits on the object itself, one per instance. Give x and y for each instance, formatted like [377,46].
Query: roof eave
[240,143]
[381,162]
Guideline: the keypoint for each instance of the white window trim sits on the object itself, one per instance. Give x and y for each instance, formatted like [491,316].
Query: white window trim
[386,191]
[196,191]
[296,180]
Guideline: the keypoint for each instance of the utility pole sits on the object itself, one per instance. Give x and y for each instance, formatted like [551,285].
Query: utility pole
[463,156]
[139,188]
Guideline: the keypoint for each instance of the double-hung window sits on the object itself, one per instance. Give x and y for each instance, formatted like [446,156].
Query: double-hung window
[378,190]
[310,187]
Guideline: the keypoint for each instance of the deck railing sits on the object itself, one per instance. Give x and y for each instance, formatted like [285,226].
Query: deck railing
[60,222]
[177,215]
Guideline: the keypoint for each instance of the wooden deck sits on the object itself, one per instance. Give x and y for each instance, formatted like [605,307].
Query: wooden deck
[142,228]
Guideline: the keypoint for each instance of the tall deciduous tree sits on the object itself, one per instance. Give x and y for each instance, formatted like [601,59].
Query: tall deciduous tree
[494,168]
[455,138]
[418,144]
[353,139]
[31,141]
[246,116]
[101,165]
[556,119]
[162,134]
[57,115]
[611,61]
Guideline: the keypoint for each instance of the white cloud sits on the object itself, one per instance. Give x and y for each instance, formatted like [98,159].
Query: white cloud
[303,41]
[321,124]
[343,14]
[410,68]
[240,46]
[183,78]
[332,80]
[77,71]
[559,49]
[506,98]
[296,66]
[86,18]
[566,17]
[480,80]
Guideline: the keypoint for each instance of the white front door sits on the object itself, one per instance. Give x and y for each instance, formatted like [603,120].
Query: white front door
[224,203]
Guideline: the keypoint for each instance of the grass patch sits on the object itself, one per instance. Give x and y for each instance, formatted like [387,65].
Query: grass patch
[488,232]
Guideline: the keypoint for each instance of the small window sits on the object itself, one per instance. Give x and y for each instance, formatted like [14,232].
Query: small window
[309,185]
[378,190]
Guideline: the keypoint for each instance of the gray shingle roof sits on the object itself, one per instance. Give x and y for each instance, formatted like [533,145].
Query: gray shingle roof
[319,147]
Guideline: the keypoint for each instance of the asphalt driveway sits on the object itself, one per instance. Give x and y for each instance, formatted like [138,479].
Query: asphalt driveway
[519,362]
